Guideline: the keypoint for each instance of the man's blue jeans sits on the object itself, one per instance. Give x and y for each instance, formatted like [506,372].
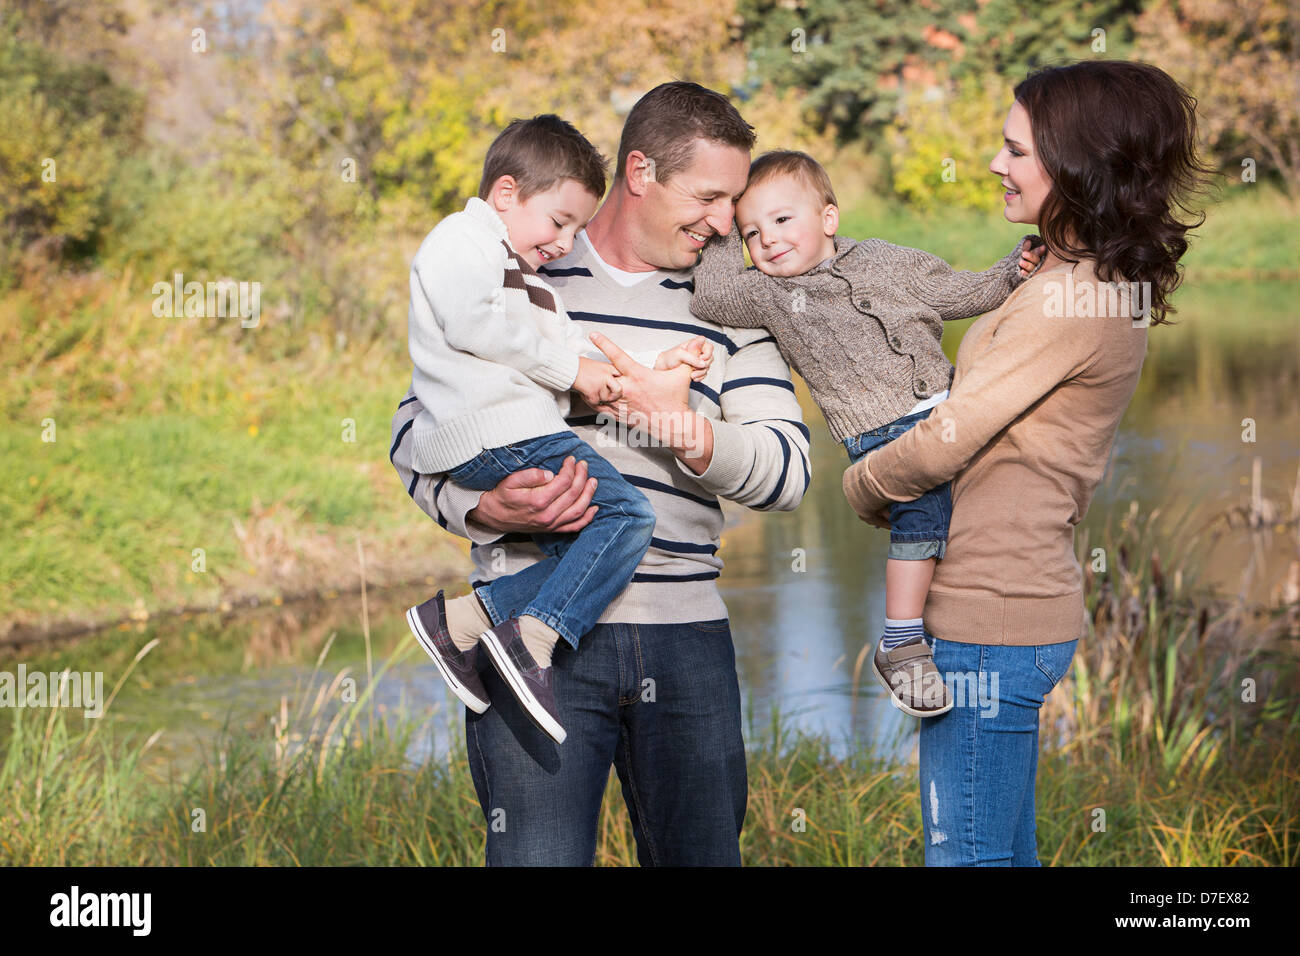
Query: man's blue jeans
[659,702]
[979,761]
[584,571]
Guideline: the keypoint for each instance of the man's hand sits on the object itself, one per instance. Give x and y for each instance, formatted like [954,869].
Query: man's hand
[597,382]
[645,391]
[534,500]
[656,402]
[696,352]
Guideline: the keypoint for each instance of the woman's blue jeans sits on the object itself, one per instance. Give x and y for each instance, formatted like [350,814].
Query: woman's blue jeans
[979,761]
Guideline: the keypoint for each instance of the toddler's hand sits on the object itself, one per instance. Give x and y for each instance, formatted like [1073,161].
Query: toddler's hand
[1030,256]
[597,382]
[697,353]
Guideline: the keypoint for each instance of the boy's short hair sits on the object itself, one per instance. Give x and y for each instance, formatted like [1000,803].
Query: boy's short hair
[541,153]
[666,122]
[789,162]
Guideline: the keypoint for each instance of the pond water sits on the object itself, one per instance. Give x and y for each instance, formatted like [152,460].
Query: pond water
[805,589]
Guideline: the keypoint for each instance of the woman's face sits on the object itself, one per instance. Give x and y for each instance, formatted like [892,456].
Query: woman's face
[1026,182]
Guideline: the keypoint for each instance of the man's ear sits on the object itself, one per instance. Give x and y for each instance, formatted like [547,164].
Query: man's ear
[831,219]
[639,172]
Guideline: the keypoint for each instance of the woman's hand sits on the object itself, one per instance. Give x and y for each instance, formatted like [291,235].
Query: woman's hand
[878,519]
[873,511]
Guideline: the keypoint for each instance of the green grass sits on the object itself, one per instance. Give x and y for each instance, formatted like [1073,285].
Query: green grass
[171,437]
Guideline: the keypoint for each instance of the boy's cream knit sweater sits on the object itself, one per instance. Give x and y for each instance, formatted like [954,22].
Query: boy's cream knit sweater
[1025,433]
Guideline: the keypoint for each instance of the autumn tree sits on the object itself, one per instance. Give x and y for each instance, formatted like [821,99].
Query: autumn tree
[1239,59]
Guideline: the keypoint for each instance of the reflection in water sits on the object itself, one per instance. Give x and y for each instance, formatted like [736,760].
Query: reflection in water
[805,589]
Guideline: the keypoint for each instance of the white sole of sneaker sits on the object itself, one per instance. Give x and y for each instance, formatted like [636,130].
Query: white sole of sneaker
[905,708]
[457,688]
[519,687]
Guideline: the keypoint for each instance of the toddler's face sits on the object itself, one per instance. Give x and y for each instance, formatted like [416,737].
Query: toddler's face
[785,226]
[542,228]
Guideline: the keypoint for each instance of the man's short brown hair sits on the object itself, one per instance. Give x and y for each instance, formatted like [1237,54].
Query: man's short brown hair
[541,153]
[801,166]
[666,123]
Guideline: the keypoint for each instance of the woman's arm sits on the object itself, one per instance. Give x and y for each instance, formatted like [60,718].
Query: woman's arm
[1030,354]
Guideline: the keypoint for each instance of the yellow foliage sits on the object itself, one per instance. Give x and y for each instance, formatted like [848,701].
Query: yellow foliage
[943,141]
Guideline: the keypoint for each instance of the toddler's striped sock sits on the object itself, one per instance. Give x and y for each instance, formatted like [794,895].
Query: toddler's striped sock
[898,633]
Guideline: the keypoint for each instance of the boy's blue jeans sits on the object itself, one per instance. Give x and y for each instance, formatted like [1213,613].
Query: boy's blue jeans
[919,529]
[583,572]
[979,761]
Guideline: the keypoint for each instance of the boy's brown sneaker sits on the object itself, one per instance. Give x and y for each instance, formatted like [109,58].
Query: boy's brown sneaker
[914,683]
[428,622]
[528,682]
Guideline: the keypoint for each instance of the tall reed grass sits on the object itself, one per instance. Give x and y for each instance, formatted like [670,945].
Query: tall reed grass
[1150,729]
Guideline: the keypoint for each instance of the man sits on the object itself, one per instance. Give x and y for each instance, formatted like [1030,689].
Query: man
[652,689]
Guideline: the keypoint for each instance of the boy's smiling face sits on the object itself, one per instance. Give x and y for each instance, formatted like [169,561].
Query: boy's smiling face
[787,229]
[542,227]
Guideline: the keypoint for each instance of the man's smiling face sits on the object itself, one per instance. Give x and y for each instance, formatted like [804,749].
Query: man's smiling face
[697,202]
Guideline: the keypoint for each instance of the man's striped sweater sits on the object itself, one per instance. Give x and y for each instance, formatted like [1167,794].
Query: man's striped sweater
[760,444]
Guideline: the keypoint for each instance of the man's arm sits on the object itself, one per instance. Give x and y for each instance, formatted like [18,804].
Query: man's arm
[761,446]
[952,293]
[437,496]
[524,501]
[726,292]
[756,454]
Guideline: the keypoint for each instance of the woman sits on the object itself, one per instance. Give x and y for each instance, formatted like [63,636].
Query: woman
[1102,156]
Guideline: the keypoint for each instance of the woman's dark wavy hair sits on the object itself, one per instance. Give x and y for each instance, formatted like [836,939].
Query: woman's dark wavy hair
[1118,140]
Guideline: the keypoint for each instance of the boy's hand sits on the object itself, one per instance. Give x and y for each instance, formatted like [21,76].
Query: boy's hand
[597,382]
[1030,256]
[697,353]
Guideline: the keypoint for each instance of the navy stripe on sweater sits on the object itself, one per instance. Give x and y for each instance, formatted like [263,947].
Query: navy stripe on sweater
[649,484]
[571,271]
[744,382]
[683,547]
[803,429]
[436,489]
[601,318]
[673,578]
[807,478]
[707,392]
[785,466]
[398,440]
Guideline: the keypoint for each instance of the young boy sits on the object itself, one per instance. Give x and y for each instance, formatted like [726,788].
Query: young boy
[861,322]
[495,356]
